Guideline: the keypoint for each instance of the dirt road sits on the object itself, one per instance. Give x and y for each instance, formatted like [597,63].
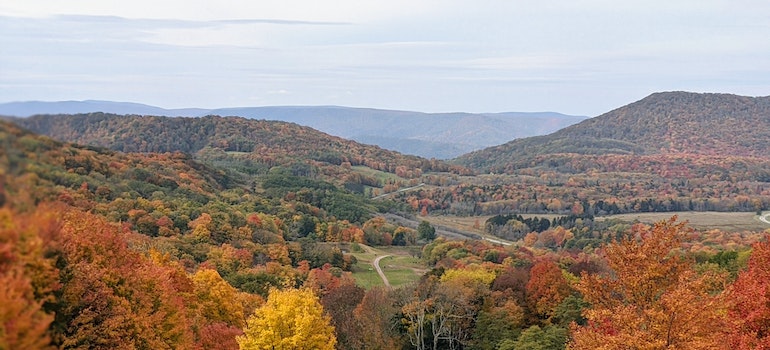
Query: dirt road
[376,264]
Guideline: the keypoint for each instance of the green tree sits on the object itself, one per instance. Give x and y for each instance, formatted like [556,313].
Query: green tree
[426,231]
[536,338]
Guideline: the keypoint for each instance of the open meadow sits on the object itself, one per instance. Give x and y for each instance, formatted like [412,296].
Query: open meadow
[401,266]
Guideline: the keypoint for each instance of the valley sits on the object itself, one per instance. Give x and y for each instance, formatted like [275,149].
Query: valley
[500,245]
[428,135]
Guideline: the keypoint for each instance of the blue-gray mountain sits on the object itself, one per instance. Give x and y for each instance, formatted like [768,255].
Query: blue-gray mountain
[429,135]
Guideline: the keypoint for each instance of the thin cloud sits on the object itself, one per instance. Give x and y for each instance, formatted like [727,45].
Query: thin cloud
[581,57]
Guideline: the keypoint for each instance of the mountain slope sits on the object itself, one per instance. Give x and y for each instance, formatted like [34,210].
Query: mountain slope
[662,123]
[35,168]
[430,135]
[265,142]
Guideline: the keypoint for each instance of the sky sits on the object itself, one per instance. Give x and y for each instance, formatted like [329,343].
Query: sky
[581,57]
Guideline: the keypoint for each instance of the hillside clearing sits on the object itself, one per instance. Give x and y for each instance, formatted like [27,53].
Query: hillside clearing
[730,222]
[400,267]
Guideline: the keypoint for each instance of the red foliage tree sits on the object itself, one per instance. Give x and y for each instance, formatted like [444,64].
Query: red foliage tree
[547,287]
[750,303]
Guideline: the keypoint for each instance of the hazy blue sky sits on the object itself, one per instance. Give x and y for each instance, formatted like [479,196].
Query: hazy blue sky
[577,57]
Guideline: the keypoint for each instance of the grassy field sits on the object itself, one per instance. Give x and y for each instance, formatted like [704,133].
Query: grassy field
[400,268]
[468,223]
[363,271]
[730,222]
[379,175]
[462,223]
[366,277]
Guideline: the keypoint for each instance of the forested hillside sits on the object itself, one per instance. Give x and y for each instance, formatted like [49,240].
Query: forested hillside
[662,123]
[669,152]
[269,141]
[87,232]
[105,249]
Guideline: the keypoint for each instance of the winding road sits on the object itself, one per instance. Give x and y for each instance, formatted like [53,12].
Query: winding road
[399,191]
[497,241]
[376,264]
[764,217]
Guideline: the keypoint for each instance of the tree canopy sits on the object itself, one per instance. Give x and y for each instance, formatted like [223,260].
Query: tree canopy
[291,319]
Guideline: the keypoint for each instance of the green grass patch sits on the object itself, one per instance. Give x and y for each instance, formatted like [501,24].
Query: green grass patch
[366,277]
[401,270]
[401,277]
[363,271]
[382,176]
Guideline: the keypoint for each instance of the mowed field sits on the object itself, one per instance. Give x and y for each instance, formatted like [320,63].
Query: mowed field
[730,222]
[401,267]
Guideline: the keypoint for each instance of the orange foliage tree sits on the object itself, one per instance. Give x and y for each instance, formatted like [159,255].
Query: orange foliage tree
[654,299]
[27,281]
[373,317]
[112,296]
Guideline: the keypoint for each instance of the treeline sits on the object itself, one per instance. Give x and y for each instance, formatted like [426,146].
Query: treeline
[514,226]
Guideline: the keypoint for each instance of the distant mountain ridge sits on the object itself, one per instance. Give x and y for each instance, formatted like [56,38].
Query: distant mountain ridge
[429,135]
[662,123]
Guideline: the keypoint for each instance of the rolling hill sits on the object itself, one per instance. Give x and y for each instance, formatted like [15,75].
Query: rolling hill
[282,169]
[429,135]
[244,146]
[662,123]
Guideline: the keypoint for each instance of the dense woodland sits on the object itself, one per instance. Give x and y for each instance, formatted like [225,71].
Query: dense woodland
[662,123]
[218,247]
[602,185]
[261,144]
[671,151]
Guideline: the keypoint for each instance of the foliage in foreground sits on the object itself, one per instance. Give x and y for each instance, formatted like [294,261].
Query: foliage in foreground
[291,319]
[654,299]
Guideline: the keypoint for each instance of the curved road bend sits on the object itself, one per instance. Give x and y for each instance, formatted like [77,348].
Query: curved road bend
[399,191]
[764,216]
[376,264]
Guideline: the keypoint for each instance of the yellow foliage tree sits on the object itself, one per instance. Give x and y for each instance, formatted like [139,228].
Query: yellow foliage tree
[471,277]
[291,319]
[217,300]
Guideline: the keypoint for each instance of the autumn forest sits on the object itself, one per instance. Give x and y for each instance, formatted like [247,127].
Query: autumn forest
[148,232]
